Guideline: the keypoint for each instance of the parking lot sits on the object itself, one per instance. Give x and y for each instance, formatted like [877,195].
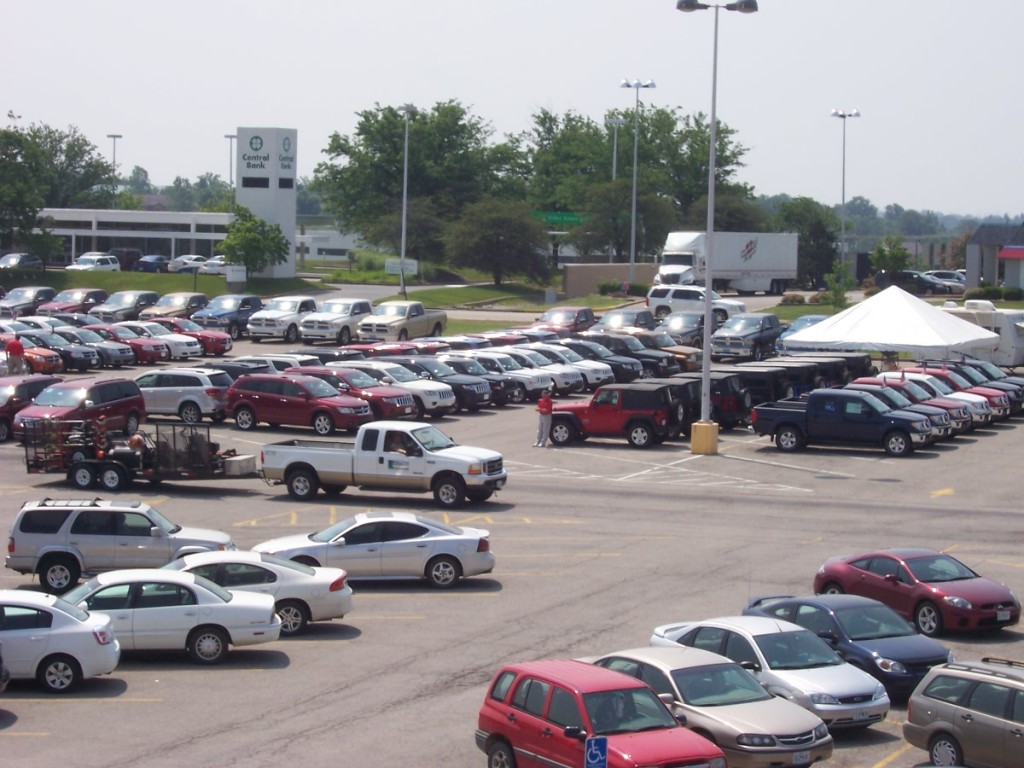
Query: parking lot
[596,544]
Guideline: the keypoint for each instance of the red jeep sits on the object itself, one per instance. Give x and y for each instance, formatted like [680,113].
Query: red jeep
[643,413]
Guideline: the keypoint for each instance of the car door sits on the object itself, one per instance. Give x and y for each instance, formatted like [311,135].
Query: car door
[135,546]
[526,726]
[887,581]
[986,726]
[405,549]
[247,577]
[25,636]
[163,614]
[115,602]
[360,554]
[402,462]
[92,536]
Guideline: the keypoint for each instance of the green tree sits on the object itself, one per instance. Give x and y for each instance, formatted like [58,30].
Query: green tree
[499,237]
[733,213]
[181,194]
[73,173]
[138,182]
[307,201]
[254,242]
[21,196]
[818,230]
[838,282]
[890,254]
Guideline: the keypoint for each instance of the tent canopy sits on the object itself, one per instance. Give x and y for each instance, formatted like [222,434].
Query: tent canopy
[894,321]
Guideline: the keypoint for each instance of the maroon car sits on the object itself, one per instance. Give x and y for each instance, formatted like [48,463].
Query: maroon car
[214,342]
[956,409]
[146,350]
[17,392]
[294,399]
[72,300]
[937,592]
[385,402]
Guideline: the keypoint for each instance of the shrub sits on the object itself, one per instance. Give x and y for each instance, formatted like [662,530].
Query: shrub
[638,289]
[821,297]
[608,287]
[793,298]
[1013,294]
[871,291]
[370,263]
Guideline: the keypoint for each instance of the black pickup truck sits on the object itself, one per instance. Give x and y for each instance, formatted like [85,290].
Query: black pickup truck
[840,417]
[751,335]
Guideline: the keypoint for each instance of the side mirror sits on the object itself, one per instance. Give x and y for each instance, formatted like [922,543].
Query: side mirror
[751,666]
[339,542]
[890,577]
[828,636]
[574,732]
[415,451]
[155,532]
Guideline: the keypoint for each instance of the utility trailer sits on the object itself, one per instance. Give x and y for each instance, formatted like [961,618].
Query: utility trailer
[88,456]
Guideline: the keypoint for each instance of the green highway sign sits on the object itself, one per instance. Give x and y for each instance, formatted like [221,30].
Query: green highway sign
[564,218]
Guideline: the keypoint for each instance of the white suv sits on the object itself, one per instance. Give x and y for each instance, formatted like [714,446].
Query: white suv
[664,299]
[62,539]
[189,393]
[433,398]
[281,318]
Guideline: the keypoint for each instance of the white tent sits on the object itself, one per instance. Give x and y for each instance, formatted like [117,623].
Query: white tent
[894,321]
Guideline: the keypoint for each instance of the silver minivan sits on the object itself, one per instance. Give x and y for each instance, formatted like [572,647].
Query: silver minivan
[189,393]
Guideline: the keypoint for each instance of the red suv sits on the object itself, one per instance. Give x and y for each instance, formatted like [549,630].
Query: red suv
[549,713]
[645,414]
[16,393]
[118,402]
[385,402]
[296,400]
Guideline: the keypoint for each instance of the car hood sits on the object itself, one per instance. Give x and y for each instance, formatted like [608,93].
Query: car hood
[468,453]
[14,304]
[44,412]
[659,747]
[156,311]
[772,715]
[273,314]
[61,306]
[840,680]
[327,316]
[462,379]
[201,536]
[176,338]
[288,543]
[219,312]
[912,649]
[979,591]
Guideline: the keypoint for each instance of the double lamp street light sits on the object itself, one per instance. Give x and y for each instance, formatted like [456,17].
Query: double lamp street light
[636,85]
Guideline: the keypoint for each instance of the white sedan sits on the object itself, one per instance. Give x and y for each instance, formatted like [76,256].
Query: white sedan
[215,266]
[154,609]
[54,642]
[302,593]
[190,262]
[391,545]
[180,345]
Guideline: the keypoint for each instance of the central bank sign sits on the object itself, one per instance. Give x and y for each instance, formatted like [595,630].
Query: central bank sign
[258,160]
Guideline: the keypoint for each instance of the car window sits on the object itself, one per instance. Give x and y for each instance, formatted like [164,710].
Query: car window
[112,598]
[990,699]
[1017,713]
[368,533]
[948,688]
[15,617]
[500,688]
[625,666]
[399,531]
[883,566]
[536,695]
[93,522]
[657,679]
[132,524]
[739,649]
[813,618]
[43,520]
[162,595]
[563,709]
[707,638]
[245,574]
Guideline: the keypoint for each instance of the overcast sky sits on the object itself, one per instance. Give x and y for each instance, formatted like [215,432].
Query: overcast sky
[937,81]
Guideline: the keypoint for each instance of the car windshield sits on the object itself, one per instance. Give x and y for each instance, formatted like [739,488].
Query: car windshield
[184,324]
[630,710]
[171,300]
[226,302]
[319,388]
[390,310]
[661,339]
[61,397]
[123,299]
[570,355]
[918,392]
[718,685]
[632,344]
[975,376]
[805,321]
[155,329]
[123,332]
[334,531]
[337,307]
[957,379]
[20,294]
[535,357]
[508,363]
[741,324]
[939,385]
[796,650]
[433,439]
[891,396]
[436,367]
[932,569]
[684,321]
[359,380]
[401,374]
[48,340]
[69,296]
[472,367]
[282,305]
[873,622]
[875,403]
[994,371]
[558,317]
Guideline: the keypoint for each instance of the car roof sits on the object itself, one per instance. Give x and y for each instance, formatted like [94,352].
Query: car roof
[28,597]
[145,574]
[752,625]
[576,675]
[220,556]
[832,602]
[672,657]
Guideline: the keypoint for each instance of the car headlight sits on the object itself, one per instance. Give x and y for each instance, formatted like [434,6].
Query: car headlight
[345,409]
[755,740]
[879,692]
[823,698]
[957,602]
[950,657]
[475,469]
[893,667]
[820,731]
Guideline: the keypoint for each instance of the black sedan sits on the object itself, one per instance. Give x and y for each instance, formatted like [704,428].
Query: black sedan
[155,262]
[865,633]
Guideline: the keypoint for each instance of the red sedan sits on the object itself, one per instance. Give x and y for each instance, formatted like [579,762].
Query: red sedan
[146,350]
[937,592]
[214,342]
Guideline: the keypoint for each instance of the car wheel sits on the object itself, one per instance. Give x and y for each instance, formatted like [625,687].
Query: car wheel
[945,750]
[218,417]
[345,336]
[500,755]
[323,424]
[292,334]
[789,439]
[294,617]
[112,477]
[207,645]
[234,331]
[437,330]
[640,436]
[928,620]
[245,418]
[449,491]
[59,573]
[131,424]
[562,432]
[190,413]
[517,396]
[897,443]
[832,589]
[302,484]
[403,335]
[82,476]
[443,572]
[421,411]
[5,430]
[59,673]
[757,353]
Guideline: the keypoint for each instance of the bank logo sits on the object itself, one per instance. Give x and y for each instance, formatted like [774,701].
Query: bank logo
[256,143]
[287,144]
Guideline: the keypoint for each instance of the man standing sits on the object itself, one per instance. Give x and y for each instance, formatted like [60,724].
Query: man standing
[544,408]
[15,357]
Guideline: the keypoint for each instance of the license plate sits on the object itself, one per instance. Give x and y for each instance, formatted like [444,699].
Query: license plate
[500,484]
[862,715]
[1002,615]
[407,409]
[801,758]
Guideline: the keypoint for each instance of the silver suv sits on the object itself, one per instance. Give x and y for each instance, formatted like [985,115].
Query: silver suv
[62,539]
[969,713]
[189,393]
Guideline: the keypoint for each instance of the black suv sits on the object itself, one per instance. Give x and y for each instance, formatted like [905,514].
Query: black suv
[625,368]
[912,281]
[730,400]
[654,361]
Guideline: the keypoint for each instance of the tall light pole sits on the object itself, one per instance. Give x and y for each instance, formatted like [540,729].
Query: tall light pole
[843,114]
[615,123]
[405,109]
[231,157]
[113,157]
[636,85]
[704,434]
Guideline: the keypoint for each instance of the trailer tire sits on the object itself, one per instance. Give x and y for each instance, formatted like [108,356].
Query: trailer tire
[302,484]
[82,475]
[112,477]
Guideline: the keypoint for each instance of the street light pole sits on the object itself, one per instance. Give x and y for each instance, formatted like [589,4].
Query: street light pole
[231,157]
[704,435]
[843,114]
[405,109]
[636,85]
[113,158]
[615,123]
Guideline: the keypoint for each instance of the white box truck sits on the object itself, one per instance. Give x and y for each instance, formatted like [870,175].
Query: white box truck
[743,261]
[1008,323]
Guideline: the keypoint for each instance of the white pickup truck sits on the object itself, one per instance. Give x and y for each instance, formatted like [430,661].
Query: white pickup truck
[397,456]
[401,320]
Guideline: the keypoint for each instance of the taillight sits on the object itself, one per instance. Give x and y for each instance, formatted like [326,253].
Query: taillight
[103,635]
[10,545]
[483,545]
[753,416]
[213,391]
[338,584]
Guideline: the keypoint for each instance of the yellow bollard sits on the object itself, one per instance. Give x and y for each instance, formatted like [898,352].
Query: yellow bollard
[704,438]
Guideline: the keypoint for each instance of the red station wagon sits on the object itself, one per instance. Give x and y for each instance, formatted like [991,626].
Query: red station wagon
[544,713]
[296,400]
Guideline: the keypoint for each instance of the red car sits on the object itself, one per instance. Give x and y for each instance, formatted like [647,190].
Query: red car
[937,592]
[296,400]
[146,350]
[74,300]
[544,712]
[999,400]
[214,342]
[565,320]
[37,359]
[385,402]
[16,393]
[957,411]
